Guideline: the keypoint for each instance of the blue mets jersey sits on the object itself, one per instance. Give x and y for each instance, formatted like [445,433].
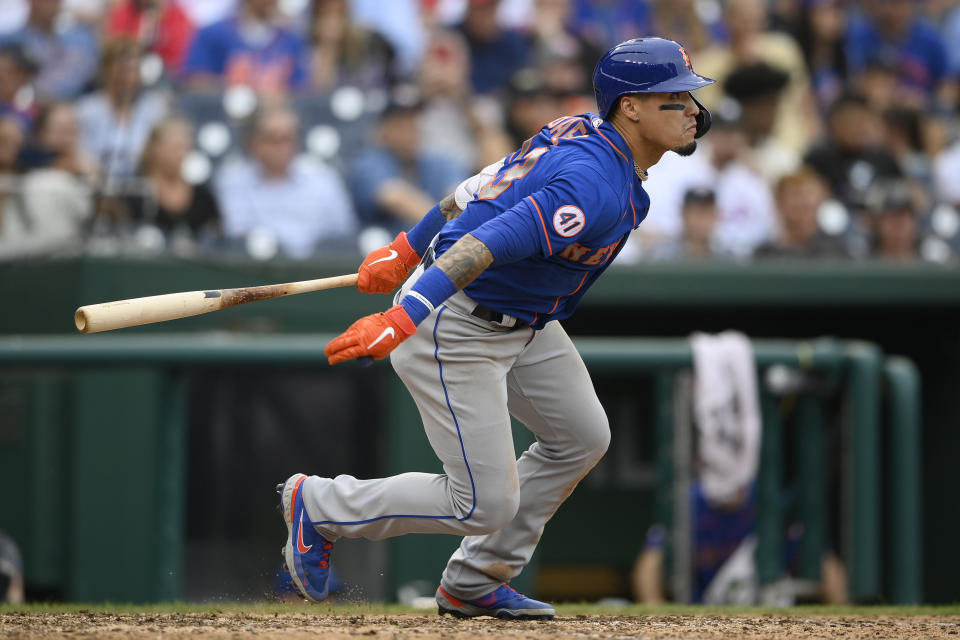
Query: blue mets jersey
[554,217]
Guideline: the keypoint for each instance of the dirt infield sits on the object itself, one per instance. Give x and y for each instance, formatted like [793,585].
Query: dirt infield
[196,626]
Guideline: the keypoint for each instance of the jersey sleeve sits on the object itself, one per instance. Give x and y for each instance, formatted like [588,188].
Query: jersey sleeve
[572,207]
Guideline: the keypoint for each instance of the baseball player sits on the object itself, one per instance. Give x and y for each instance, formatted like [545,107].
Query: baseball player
[474,336]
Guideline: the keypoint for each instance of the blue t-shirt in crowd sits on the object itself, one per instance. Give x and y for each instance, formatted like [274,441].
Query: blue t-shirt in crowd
[221,49]
[494,63]
[436,174]
[920,55]
[67,58]
[554,217]
[607,23]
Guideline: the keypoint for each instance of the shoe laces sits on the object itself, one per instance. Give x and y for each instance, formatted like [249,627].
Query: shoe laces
[514,590]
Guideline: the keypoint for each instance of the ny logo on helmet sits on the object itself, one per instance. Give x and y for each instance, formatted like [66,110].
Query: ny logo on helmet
[686,58]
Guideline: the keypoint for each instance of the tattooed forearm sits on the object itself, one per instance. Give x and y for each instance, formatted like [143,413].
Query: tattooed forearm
[449,209]
[465,260]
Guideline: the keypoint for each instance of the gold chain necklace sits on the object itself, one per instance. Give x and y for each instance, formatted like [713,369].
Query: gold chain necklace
[640,172]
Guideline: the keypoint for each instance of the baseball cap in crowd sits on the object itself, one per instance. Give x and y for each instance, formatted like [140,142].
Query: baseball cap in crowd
[755,80]
[527,82]
[728,114]
[404,99]
[699,195]
[888,196]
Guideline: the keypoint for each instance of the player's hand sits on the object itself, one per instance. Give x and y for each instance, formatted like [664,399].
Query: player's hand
[374,336]
[385,269]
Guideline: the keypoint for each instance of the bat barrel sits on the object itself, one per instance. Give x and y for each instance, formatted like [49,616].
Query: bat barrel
[107,316]
[171,306]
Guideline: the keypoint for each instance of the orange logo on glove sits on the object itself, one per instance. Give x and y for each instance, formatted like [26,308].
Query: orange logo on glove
[374,336]
[384,269]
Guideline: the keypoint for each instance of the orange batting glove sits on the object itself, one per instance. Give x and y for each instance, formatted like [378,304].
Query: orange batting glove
[385,269]
[374,336]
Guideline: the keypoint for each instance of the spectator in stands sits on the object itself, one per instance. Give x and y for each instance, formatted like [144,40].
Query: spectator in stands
[564,58]
[116,120]
[853,155]
[697,241]
[14,13]
[17,97]
[745,203]
[56,144]
[799,197]
[401,22]
[904,127]
[160,26]
[562,74]
[893,221]
[251,47]
[12,137]
[495,52]
[744,200]
[56,198]
[394,182]
[345,53]
[895,26]
[607,22]
[453,118]
[65,53]
[276,197]
[530,105]
[796,122]
[186,213]
[819,29]
[879,83]
[758,88]
[680,20]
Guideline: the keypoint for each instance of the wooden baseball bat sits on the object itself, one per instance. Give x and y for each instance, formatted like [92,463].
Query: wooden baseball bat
[118,314]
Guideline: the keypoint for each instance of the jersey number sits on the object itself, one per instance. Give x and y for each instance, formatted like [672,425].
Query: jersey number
[565,127]
[494,188]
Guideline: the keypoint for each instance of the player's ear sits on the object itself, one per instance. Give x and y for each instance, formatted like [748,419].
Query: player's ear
[629,106]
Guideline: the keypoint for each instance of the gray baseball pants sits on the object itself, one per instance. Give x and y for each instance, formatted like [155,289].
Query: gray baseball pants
[467,376]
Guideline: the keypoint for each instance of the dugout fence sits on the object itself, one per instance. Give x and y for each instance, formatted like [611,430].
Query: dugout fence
[93,453]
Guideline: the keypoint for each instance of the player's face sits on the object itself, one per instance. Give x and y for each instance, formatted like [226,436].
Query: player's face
[670,121]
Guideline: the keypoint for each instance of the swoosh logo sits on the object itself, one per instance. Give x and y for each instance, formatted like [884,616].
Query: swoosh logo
[302,548]
[388,332]
[392,256]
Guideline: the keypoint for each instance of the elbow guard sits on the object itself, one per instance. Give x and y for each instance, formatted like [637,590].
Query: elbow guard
[466,189]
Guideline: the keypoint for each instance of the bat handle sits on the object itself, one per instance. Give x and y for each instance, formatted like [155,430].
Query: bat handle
[365,361]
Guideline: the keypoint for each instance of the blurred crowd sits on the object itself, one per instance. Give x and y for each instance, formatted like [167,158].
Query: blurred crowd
[303,128]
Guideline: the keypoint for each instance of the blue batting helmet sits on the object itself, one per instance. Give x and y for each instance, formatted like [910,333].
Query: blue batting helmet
[646,65]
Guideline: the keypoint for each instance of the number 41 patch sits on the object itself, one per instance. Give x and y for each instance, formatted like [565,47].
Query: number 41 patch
[568,221]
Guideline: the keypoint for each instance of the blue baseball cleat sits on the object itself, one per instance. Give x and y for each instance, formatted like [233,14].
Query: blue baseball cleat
[307,553]
[504,603]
